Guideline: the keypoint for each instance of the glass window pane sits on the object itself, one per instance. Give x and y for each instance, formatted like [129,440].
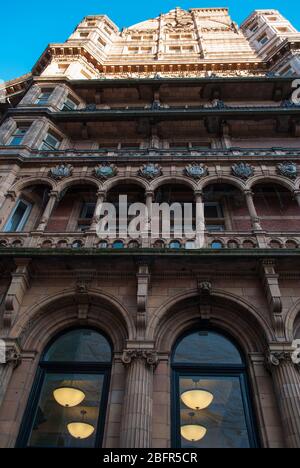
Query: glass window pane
[16,141]
[80,346]
[205,347]
[51,427]
[17,217]
[221,424]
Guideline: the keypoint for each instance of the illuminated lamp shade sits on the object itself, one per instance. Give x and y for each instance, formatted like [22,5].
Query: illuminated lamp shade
[193,432]
[80,430]
[68,397]
[197,399]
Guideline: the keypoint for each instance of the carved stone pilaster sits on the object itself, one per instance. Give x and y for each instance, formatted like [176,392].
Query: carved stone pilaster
[136,427]
[286,381]
[272,290]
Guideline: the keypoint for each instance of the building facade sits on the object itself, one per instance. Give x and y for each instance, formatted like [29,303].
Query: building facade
[152,342]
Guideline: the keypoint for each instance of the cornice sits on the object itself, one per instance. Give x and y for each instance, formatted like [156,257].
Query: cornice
[172,113]
[42,158]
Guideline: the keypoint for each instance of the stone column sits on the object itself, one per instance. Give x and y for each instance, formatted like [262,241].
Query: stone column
[48,211]
[100,200]
[58,97]
[12,360]
[35,133]
[252,210]
[297,196]
[6,130]
[136,427]
[200,219]
[286,381]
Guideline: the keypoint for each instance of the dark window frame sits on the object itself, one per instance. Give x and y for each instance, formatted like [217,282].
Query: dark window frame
[210,371]
[52,367]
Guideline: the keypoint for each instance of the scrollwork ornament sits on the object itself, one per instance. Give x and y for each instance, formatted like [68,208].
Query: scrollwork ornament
[13,356]
[276,358]
[105,171]
[243,170]
[287,169]
[150,171]
[196,171]
[149,357]
[62,171]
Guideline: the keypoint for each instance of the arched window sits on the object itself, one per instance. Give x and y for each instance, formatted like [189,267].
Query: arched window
[68,402]
[211,406]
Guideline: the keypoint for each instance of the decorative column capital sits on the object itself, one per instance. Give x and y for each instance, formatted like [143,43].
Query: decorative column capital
[101,194]
[148,356]
[198,193]
[274,358]
[248,193]
[54,194]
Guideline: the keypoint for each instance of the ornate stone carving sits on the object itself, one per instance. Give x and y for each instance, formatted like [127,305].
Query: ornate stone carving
[150,171]
[204,287]
[243,170]
[275,358]
[105,171]
[149,357]
[196,171]
[13,354]
[288,169]
[61,171]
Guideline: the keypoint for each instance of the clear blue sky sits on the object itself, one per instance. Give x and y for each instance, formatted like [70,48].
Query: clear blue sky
[28,26]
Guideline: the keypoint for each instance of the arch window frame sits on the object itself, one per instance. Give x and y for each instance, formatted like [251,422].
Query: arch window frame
[208,371]
[46,367]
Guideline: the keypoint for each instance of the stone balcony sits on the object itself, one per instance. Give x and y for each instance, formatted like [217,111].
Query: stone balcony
[229,240]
